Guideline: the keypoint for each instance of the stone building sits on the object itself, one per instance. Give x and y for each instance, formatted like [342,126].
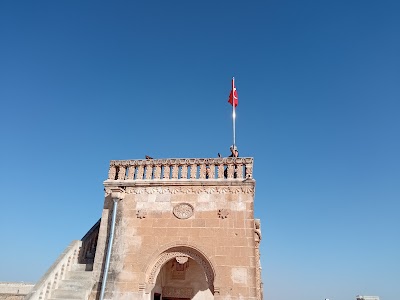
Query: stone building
[170,229]
[359,297]
[14,290]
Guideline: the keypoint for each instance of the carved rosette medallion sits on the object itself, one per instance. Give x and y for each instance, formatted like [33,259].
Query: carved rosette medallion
[183,211]
[141,214]
[223,213]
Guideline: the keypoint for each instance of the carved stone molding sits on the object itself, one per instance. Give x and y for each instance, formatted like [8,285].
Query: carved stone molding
[182,161]
[216,291]
[142,287]
[191,190]
[223,213]
[179,252]
[258,273]
[257,238]
[177,292]
[183,210]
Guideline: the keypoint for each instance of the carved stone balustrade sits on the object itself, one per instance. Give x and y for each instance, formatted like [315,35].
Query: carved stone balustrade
[49,282]
[229,168]
[89,244]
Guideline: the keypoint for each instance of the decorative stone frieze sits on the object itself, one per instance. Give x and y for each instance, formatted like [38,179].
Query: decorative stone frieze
[177,292]
[191,190]
[183,211]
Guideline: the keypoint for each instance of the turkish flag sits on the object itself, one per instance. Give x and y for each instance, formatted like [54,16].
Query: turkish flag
[233,96]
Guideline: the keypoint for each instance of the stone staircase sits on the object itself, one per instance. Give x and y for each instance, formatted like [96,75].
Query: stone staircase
[77,283]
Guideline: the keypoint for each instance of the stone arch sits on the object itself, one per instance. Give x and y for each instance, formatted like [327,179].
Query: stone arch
[180,251]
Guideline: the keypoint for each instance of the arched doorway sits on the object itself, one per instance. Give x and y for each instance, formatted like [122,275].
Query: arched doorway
[181,273]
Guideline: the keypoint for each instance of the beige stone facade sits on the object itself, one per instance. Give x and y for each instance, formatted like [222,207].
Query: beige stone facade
[14,290]
[184,229]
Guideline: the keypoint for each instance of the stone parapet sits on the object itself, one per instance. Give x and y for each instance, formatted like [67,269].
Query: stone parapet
[89,244]
[15,287]
[14,290]
[229,168]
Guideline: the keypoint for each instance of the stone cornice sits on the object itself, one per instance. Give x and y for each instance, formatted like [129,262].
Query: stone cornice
[139,189]
[179,182]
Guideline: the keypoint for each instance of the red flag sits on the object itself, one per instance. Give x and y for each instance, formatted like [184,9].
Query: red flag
[233,96]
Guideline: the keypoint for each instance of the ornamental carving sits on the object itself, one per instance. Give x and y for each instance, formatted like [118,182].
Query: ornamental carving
[177,292]
[182,161]
[257,238]
[181,259]
[141,214]
[177,252]
[257,230]
[191,190]
[223,213]
[183,211]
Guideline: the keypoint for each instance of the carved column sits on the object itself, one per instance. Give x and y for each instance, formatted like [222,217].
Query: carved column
[140,172]
[184,172]
[175,171]
[193,171]
[121,172]
[202,171]
[249,170]
[230,171]
[157,170]
[211,171]
[131,172]
[239,170]
[111,172]
[149,171]
[167,170]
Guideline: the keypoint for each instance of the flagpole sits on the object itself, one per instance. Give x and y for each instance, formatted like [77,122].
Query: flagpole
[233,110]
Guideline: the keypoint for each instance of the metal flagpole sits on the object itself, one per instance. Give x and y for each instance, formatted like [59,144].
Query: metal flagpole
[233,110]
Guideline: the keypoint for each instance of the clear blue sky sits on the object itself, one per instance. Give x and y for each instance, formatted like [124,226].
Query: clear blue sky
[82,83]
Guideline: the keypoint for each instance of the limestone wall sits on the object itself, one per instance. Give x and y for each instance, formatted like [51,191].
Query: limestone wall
[14,290]
[216,220]
[11,296]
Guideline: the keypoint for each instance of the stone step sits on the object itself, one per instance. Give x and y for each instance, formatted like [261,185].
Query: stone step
[83,267]
[69,294]
[79,275]
[74,284]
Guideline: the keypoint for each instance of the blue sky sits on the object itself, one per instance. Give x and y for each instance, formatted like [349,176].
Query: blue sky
[83,83]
